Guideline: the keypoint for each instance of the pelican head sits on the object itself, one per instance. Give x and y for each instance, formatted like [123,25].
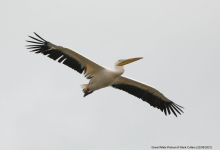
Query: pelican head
[123,62]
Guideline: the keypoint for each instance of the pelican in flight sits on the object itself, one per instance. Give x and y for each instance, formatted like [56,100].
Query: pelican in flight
[101,77]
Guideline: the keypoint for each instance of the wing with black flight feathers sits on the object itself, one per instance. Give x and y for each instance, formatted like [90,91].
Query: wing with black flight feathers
[147,94]
[64,55]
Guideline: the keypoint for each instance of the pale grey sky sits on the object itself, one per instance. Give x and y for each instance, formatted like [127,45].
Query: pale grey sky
[41,102]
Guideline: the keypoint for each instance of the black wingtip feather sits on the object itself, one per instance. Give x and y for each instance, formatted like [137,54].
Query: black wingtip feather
[36,39]
[177,107]
[33,47]
[39,37]
[165,111]
[173,110]
[34,50]
[35,42]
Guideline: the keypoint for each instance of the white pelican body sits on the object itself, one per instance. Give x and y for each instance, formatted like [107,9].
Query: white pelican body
[101,77]
[105,78]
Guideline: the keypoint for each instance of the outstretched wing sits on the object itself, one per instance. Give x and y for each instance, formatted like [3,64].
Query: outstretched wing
[147,94]
[66,56]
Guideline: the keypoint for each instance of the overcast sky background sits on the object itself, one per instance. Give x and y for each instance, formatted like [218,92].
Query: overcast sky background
[41,102]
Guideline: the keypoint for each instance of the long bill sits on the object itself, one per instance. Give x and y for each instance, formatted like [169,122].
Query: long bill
[127,61]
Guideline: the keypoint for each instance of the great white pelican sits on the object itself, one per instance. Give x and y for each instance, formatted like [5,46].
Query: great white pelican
[101,77]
